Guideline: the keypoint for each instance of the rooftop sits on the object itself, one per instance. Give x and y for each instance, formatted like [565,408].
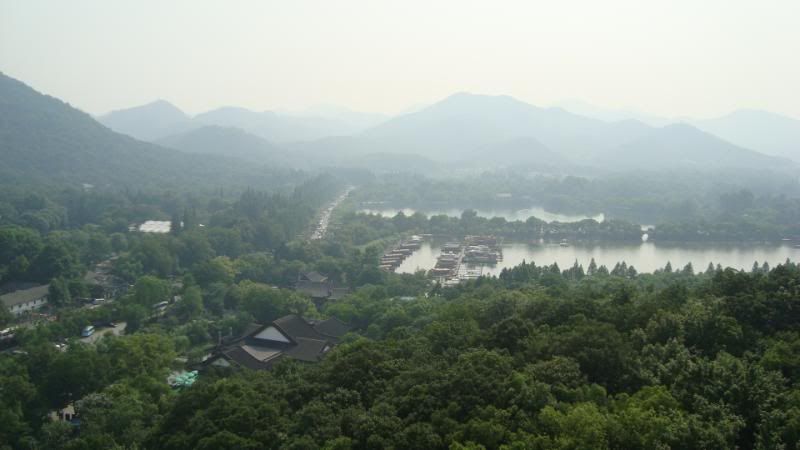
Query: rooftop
[332,327]
[314,289]
[310,350]
[314,276]
[24,295]
[270,333]
[296,327]
[156,226]
[291,336]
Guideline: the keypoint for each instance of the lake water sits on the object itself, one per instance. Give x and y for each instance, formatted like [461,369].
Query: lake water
[646,257]
[510,215]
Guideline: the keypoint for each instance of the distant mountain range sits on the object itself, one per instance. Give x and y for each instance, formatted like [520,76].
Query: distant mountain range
[465,129]
[45,141]
[357,120]
[766,132]
[684,146]
[613,115]
[160,119]
[42,137]
[148,122]
[519,152]
[227,141]
[457,126]
[463,122]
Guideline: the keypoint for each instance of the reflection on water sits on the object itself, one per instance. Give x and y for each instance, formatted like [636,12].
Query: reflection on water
[646,257]
[510,215]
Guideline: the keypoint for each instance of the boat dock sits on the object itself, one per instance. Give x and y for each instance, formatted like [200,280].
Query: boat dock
[465,260]
[395,256]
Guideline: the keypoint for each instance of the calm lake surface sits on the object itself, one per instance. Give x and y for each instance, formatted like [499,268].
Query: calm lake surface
[509,215]
[646,257]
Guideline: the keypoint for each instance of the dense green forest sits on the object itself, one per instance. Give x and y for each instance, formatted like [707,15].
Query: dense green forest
[46,234]
[539,357]
[536,358]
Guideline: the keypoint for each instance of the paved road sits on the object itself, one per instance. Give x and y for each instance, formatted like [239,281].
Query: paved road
[325,218]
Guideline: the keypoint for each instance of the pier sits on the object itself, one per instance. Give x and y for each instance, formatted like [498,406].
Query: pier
[464,261]
[395,256]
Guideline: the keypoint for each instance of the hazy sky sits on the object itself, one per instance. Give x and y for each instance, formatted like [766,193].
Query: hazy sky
[693,57]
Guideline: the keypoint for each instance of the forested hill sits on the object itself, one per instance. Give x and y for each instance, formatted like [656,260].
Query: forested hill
[771,133]
[44,140]
[683,146]
[538,358]
[148,122]
[227,141]
[461,122]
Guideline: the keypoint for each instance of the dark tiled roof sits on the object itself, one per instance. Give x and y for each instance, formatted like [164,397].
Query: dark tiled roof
[310,350]
[270,336]
[296,327]
[315,277]
[313,289]
[251,328]
[242,358]
[12,286]
[24,296]
[309,343]
[332,327]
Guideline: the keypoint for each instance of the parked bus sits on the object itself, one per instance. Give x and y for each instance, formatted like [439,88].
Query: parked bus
[87,331]
[160,305]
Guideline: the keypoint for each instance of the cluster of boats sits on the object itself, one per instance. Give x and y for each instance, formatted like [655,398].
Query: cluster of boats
[482,250]
[448,262]
[461,261]
[392,259]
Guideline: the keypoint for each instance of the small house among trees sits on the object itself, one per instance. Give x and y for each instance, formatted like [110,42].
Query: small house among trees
[319,287]
[288,337]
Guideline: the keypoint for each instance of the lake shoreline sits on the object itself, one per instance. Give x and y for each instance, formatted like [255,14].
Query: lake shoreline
[646,257]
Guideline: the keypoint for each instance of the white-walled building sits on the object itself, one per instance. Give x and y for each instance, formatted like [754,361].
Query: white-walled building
[23,300]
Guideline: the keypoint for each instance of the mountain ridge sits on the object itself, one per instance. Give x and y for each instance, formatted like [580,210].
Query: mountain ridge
[765,131]
[160,119]
[683,145]
[147,122]
[45,140]
[458,128]
[227,141]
